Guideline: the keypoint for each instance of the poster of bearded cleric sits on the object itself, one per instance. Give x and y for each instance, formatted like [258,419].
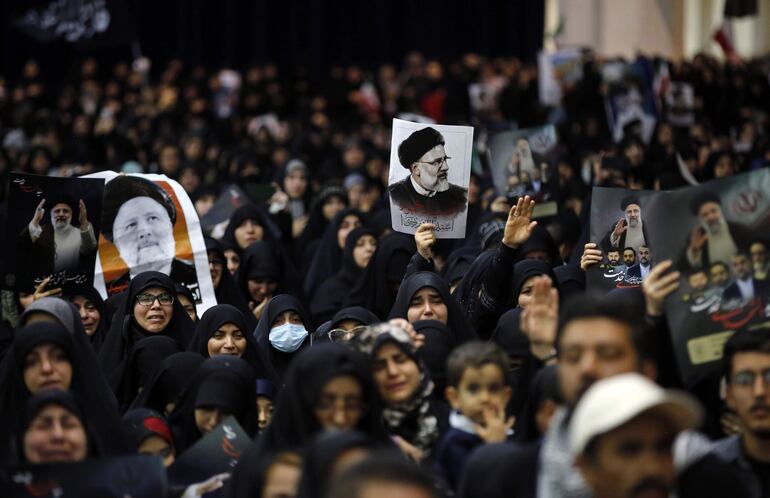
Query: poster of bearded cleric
[520,160]
[149,223]
[717,235]
[430,169]
[54,224]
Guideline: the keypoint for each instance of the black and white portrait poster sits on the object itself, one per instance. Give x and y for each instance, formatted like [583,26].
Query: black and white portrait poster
[149,223]
[717,234]
[52,231]
[430,169]
[137,476]
[518,158]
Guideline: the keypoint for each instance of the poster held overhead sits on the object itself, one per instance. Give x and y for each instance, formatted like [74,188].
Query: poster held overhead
[52,229]
[716,236]
[149,223]
[430,168]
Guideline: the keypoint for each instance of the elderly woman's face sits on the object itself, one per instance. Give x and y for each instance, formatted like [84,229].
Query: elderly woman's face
[143,233]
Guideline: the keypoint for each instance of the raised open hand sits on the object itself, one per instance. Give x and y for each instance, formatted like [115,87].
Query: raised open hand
[519,226]
[539,320]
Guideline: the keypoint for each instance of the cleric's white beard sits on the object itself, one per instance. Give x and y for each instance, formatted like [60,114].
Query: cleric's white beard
[60,226]
[151,258]
[432,182]
[632,223]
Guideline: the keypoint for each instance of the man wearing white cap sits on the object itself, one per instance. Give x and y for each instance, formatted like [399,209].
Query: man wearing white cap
[622,432]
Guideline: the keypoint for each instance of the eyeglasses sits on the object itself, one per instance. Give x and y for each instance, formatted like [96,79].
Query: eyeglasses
[342,335]
[438,162]
[148,299]
[749,379]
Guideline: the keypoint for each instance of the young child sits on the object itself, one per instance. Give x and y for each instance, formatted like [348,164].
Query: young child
[478,393]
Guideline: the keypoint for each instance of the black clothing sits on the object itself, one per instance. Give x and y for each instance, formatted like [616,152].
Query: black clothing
[97,338]
[376,289]
[278,361]
[447,203]
[219,315]
[169,382]
[182,273]
[456,321]
[439,343]
[501,470]
[227,292]
[125,331]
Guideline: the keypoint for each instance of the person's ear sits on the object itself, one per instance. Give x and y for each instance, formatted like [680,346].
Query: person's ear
[452,395]
[507,393]
[414,170]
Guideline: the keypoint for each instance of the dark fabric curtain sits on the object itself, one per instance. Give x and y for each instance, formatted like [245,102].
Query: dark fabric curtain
[311,33]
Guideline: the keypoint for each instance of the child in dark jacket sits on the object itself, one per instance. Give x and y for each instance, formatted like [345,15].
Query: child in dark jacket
[478,393]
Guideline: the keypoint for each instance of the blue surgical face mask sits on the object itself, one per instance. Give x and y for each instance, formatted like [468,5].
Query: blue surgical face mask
[287,337]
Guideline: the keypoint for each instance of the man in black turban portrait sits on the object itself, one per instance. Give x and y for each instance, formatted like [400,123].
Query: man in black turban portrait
[629,231]
[138,217]
[427,189]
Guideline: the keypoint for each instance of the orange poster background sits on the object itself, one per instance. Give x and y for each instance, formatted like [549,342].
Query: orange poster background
[113,265]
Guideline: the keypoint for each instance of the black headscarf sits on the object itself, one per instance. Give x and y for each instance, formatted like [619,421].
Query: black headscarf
[458,263]
[330,296]
[142,423]
[571,280]
[279,361]
[263,260]
[90,293]
[541,240]
[439,342]
[328,255]
[321,456]
[88,384]
[227,291]
[456,320]
[317,222]
[66,400]
[355,313]
[544,386]
[125,332]
[250,212]
[139,367]
[224,381]
[294,422]
[219,315]
[169,382]
[527,268]
[375,289]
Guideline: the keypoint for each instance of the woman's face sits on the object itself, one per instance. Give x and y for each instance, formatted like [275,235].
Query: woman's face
[281,481]
[156,445]
[525,296]
[89,314]
[261,289]
[364,250]
[340,405]
[295,184]
[208,417]
[55,435]
[227,339]
[332,206]
[247,232]
[47,366]
[156,316]
[348,223]
[396,374]
[188,306]
[287,317]
[427,304]
[233,261]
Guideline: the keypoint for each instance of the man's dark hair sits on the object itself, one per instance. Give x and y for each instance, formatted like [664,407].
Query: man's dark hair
[619,307]
[719,263]
[381,468]
[744,341]
[474,354]
[630,249]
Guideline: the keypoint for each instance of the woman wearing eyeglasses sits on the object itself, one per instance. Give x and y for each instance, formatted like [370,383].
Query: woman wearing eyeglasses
[150,308]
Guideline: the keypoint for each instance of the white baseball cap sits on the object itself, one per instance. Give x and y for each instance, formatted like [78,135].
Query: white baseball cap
[614,401]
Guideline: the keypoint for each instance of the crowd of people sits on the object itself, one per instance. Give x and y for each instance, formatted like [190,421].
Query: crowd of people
[363,362]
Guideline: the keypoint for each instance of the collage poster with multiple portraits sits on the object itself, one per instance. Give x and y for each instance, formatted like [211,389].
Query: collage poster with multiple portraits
[430,170]
[52,232]
[149,223]
[716,234]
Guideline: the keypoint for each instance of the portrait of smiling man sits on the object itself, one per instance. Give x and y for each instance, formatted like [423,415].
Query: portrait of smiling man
[138,218]
[427,189]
